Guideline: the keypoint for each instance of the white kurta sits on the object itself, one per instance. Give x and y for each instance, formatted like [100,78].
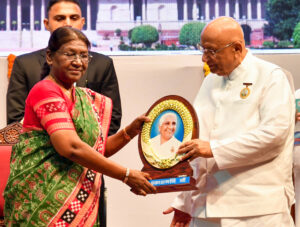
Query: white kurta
[251,140]
[297,169]
[166,150]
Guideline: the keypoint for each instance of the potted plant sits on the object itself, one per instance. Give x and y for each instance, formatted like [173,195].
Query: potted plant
[36,25]
[14,25]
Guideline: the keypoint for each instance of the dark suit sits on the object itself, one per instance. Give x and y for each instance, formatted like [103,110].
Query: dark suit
[100,77]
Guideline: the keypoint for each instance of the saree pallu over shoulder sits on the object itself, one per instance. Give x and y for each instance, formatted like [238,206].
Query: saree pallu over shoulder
[46,189]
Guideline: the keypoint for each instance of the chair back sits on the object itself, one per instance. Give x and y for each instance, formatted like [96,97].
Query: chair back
[8,137]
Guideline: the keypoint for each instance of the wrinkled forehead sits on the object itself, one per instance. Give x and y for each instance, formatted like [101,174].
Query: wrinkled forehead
[75,45]
[214,37]
[222,31]
[169,117]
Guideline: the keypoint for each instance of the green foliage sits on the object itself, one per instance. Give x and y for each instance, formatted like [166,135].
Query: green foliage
[282,17]
[118,32]
[173,47]
[158,47]
[129,33]
[14,24]
[165,47]
[145,34]
[268,44]
[296,36]
[281,44]
[161,47]
[190,33]
[284,44]
[124,47]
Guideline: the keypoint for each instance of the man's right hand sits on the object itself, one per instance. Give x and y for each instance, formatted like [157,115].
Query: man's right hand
[180,218]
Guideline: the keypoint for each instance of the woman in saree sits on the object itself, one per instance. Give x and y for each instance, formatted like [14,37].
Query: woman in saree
[56,167]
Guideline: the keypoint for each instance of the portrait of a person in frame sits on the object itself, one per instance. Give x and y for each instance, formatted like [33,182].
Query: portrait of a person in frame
[166,134]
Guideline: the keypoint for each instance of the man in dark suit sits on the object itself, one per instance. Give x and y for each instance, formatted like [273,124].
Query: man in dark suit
[100,75]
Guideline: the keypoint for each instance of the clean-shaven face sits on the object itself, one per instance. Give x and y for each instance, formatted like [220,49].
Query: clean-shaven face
[168,127]
[64,14]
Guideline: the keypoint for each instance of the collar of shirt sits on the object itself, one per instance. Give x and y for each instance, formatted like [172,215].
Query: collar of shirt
[238,71]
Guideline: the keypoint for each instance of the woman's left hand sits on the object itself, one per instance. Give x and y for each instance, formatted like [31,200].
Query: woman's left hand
[135,127]
[117,141]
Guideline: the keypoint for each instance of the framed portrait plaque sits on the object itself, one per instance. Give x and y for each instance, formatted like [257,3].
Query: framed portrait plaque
[173,121]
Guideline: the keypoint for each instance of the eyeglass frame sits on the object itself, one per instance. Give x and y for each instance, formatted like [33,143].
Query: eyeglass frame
[213,52]
[72,57]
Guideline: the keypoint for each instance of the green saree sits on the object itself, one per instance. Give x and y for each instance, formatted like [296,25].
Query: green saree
[46,189]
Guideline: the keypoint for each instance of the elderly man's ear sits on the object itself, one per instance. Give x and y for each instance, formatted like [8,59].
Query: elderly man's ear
[238,47]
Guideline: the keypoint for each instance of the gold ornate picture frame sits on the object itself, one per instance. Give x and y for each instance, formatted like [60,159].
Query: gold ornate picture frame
[165,107]
[174,119]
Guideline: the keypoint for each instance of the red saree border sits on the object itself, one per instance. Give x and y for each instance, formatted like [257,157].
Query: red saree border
[91,219]
[106,116]
[55,116]
[69,200]
[89,206]
[88,212]
[103,105]
[60,126]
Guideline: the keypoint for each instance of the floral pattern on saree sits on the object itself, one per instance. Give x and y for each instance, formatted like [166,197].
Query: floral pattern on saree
[46,189]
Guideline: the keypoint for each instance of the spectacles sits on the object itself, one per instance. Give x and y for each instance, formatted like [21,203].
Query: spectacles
[84,58]
[211,51]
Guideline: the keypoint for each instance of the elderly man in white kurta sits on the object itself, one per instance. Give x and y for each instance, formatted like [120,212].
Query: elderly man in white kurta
[243,158]
[165,144]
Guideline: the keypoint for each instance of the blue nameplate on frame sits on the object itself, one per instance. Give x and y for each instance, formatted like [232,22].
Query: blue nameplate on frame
[170,181]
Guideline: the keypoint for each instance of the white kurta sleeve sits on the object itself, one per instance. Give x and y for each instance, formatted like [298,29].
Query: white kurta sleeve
[183,202]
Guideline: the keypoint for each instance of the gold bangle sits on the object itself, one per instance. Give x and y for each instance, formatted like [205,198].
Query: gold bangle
[126,136]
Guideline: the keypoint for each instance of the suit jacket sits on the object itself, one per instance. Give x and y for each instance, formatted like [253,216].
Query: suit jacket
[100,77]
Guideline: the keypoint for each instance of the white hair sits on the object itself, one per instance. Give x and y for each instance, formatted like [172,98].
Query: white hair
[163,118]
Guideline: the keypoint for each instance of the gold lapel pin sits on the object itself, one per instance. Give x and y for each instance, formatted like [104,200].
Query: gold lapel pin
[245,92]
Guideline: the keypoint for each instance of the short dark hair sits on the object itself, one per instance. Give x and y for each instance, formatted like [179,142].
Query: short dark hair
[52,2]
[60,37]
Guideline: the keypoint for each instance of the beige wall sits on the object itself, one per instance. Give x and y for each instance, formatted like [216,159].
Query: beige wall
[290,62]
[143,80]
[3,89]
